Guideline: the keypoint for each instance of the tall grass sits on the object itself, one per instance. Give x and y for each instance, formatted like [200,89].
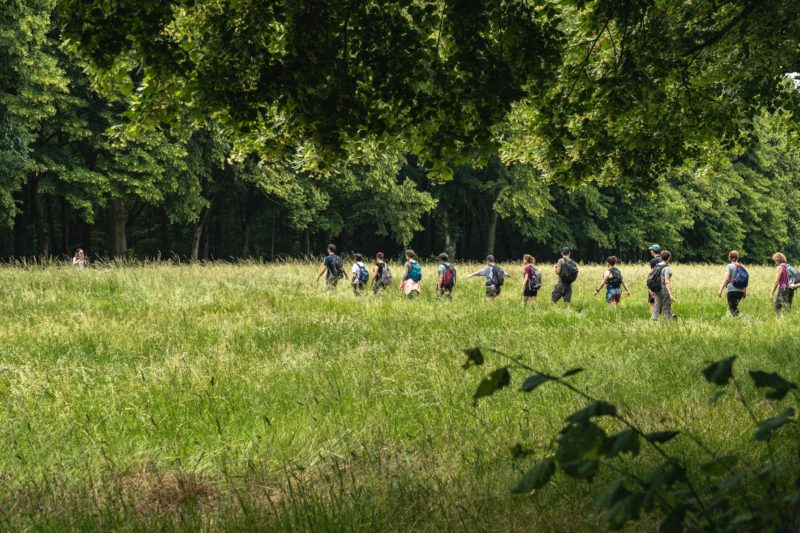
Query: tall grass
[245,396]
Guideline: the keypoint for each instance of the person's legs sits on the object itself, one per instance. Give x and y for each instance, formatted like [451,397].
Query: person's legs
[568,295]
[779,301]
[656,306]
[666,305]
[558,292]
[734,297]
[789,298]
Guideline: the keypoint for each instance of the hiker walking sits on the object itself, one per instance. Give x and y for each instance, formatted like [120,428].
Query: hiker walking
[382,276]
[659,282]
[567,272]
[531,279]
[655,259]
[333,266]
[613,282]
[495,277]
[359,275]
[447,278]
[783,302]
[412,275]
[735,281]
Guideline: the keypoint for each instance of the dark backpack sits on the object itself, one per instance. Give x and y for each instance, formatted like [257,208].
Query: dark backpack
[615,281]
[569,271]
[338,267]
[654,278]
[363,274]
[498,276]
[793,273]
[449,276]
[740,278]
[386,276]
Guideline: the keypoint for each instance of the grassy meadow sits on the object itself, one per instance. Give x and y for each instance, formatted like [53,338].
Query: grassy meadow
[246,397]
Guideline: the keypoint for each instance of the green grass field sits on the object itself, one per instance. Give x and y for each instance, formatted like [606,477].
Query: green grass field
[245,397]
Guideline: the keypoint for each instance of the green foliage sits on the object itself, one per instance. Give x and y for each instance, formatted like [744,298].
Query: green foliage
[723,493]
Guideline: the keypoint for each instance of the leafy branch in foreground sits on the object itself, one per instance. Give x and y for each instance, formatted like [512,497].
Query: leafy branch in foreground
[724,493]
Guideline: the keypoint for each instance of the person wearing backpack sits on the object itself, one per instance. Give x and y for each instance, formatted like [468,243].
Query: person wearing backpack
[655,259]
[412,275]
[735,281]
[359,274]
[784,300]
[613,282]
[531,279]
[382,277]
[567,272]
[333,266]
[659,282]
[495,277]
[447,277]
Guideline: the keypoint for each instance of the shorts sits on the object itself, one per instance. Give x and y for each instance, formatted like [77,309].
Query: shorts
[331,281]
[492,291]
[613,294]
[410,287]
[562,290]
[650,298]
[530,293]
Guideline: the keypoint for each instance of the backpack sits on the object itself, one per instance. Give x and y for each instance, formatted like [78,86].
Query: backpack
[569,271]
[363,274]
[654,278]
[416,271]
[498,276]
[449,276]
[615,281]
[793,273]
[338,267]
[535,281]
[386,276]
[740,278]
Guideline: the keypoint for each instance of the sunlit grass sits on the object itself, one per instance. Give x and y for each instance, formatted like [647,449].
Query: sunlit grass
[286,407]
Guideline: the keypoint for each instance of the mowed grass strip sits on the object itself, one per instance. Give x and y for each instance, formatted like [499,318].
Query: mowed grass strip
[315,410]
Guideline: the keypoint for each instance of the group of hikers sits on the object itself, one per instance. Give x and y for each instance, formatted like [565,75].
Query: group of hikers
[660,295]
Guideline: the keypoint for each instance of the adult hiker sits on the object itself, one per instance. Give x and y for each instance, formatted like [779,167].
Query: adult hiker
[412,275]
[783,302]
[613,282]
[659,281]
[735,281]
[655,259]
[567,272]
[531,279]
[495,277]
[333,266]
[447,277]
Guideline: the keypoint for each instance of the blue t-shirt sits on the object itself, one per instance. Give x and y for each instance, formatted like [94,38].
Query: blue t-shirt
[330,262]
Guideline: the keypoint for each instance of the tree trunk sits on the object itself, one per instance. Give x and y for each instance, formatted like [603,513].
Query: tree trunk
[88,231]
[491,233]
[51,223]
[165,251]
[449,242]
[197,233]
[205,236]
[272,242]
[21,224]
[117,234]
[42,238]
[64,228]
[247,232]
[307,242]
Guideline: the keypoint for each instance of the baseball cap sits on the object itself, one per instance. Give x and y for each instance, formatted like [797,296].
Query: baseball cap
[490,258]
[565,250]
[655,248]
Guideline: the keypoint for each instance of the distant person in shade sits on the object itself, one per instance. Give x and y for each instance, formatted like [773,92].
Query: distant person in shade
[79,260]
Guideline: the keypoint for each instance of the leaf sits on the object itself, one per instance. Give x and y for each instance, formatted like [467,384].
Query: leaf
[767,427]
[474,357]
[624,442]
[660,437]
[492,383]
[777,387]
[578,442]
[614,492]
[719,465]
[572,372]
[594,409]
[720,372]
[537,477]
[581,469]
[532,382]
[520,452]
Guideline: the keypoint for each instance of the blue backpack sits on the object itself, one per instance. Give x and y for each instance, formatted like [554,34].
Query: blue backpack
[740,278]
[363,274]
[416,271]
